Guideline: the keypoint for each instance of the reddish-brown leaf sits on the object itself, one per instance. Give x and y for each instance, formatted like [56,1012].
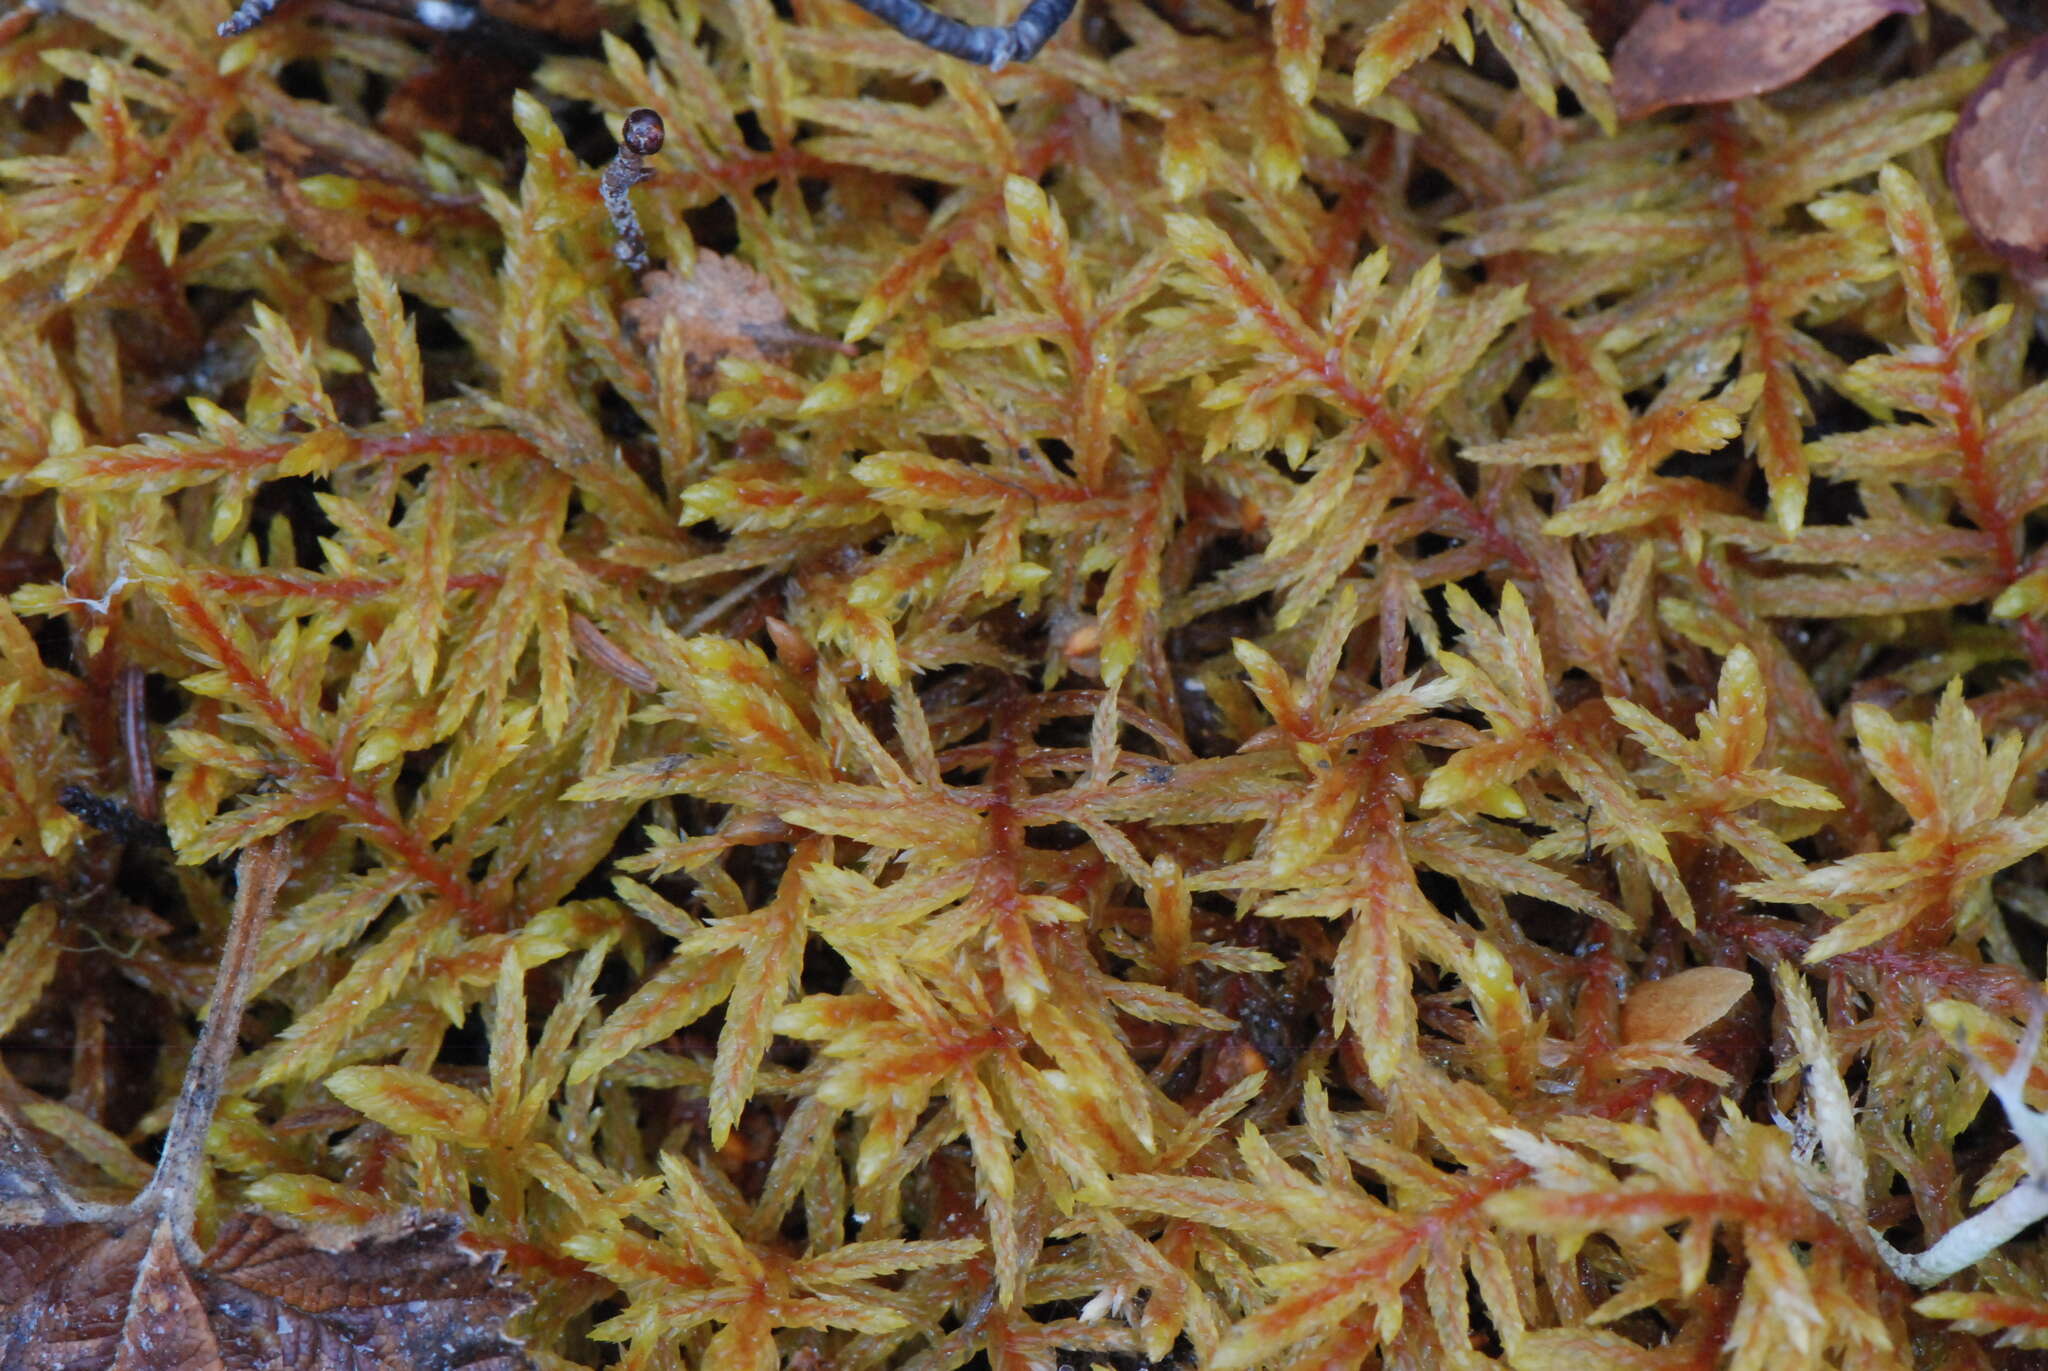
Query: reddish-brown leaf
[1690,52]
[1994,160]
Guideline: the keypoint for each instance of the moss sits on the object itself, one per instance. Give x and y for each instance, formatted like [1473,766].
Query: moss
[1102,724]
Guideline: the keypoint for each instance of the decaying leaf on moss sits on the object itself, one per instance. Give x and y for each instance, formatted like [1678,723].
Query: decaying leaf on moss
[1691,52]
[121,1286]
[721,308]
[1991,160]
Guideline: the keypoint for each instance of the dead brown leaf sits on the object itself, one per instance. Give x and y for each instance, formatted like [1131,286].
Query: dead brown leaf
[1994,159]
[1690,52]
[120,1293]
[126,1287]
[724,308]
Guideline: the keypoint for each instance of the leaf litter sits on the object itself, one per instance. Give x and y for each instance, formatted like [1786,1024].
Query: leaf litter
[129,1287]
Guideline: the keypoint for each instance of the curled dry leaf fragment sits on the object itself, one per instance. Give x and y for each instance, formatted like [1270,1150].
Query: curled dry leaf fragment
[1689,52]
[1996,161]
[1676,1007]
[722,309]
[88,1286]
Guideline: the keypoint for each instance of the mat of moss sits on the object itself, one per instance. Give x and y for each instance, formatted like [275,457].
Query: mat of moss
[1266,693]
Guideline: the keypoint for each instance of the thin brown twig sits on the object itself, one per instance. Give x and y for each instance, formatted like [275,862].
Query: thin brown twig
[172,1193]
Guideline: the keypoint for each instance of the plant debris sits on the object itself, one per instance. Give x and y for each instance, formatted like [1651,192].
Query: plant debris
[1995,160]
[1695,52]
[128,1286]
[721,308]
[640,137]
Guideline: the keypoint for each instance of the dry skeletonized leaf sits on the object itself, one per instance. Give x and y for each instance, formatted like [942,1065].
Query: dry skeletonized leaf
[1675,1008]
[126,1287]
[1688,52]
[724,309]
[119,1293]
[1994,159]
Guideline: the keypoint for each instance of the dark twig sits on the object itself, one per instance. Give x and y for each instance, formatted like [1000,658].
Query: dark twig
[992,45]
[247,16]
[442,16]
[639,137]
